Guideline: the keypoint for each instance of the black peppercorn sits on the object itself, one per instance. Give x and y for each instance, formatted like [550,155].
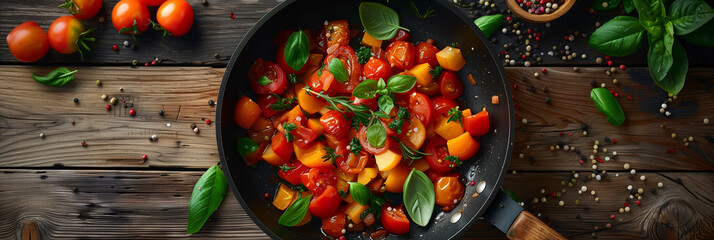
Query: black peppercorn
[76,100]
[161,112]
[211,102]
[547,100]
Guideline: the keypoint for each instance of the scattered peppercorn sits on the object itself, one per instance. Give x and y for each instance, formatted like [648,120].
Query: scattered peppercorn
[115,47]
[132,112]
[161,112]
[84,144]
[144,157]
[204,2]
[211,102]
[208,121]
[109,107]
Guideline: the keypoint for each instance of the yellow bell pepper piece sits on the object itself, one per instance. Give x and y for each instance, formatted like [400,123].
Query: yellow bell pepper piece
[366,175]
[284,197]
[421,72]
[451,59]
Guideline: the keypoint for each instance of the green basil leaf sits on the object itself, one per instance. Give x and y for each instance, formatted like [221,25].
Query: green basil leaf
[263,80]
[338,70]
[376,135]
[360,193]
[673,81]
[295,212]
[381,22]
[668,36]
[658,59]
[246,145]
[419,197]
[381,84]
[603,5]
[297,50]
[688,15]
[703,36]
[489,24]
[401,83]
[207,195]
[651,12]
[366,89]
[355,145]
[628,5]
[608,105]
[56,78]
[386,103]
[618,37]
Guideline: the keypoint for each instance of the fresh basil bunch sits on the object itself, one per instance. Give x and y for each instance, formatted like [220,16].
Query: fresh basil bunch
[666,58]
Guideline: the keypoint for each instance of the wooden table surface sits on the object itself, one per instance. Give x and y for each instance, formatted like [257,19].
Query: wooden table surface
[52,187]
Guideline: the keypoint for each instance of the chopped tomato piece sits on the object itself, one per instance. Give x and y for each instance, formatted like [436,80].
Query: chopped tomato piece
[325,204]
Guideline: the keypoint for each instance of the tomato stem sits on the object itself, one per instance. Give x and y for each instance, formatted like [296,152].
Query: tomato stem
[157,26]
[71,6]
[82,42]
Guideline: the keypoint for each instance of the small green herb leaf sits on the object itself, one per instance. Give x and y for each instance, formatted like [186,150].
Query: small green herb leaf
[402,117]
[285,168]
[489,24]
[603,5]
[297,50]
[366,89]
[355,146]
[419,197]
[618,37]
[456,115]
[651,12]
[330,155]
[381,22]
[688,15]
[282,104]
[360,193]
[386,103]
[673,81]
[342,193]
[703,36]
[295,212]
[376,135]
[56,78]
[338,70]
[436,72]
[363,54]
[381,84]
[453,159]
[263,80]
[608,105]
[293,79]
[246,146]
[207,195]
[401,83]
[289,127]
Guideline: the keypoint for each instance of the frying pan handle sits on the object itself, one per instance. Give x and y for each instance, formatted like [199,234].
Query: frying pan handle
[509,217]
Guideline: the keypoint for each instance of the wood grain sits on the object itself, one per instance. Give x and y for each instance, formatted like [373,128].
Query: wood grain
[116,139]
[214,32]
[528,226]
[110,204]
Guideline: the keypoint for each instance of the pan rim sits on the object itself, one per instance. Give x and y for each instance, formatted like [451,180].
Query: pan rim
[489,192]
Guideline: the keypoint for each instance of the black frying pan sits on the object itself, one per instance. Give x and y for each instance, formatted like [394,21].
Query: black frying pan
[249,184]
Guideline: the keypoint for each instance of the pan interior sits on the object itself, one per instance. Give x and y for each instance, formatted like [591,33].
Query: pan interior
[249,184]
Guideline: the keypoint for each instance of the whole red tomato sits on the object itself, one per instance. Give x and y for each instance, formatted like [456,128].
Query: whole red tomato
[420,107]
[152,3]
[66,34]
[377,69]
[426,53]
[131,16]
[28,42]
[82,9]
[176,16]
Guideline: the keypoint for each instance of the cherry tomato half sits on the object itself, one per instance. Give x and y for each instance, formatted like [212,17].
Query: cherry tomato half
[335,123]
[351,163]
[303,136]
[28,42]
[278,81]
[152,3]
[420,107]
[264,101]
[438,150]
[334,225]
[293,175]
[442,105]
[354,69]
[430,90]
[176,16]
[318,179]
[365,144]
[64,33]
[325,204]
[280,145]
[448,191]
[377,69]
[426,53]
[450,85]
[401,54]
[131,15]
[394,220]
[83,9]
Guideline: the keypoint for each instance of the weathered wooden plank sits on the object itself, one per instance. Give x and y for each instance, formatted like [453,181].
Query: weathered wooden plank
[153,205]
[116,139]
[214,32]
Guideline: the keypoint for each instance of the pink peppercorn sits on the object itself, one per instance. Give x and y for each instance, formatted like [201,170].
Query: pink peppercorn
[132,112]
[515,86]
[508,19]
[233,15]
[208,121]
[343,237]
[609,62]
[543,70]
[629,98]
[627,204]
[146,64]
[607,57]
[617,95]
[638,202]
[612,216]
[115,47]
[562,134]
[109,107]
[266,195]
[622,66]
[472,183]
[537,38]
[84,144]
[144,157]
[614,141]
[528,4]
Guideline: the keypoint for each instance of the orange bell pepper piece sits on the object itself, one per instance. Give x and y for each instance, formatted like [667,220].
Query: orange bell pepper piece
[246,112]
[464,146]
[451,59]
[395,180]
[446,129]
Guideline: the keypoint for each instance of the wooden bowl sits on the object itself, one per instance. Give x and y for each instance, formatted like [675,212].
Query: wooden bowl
[542,18]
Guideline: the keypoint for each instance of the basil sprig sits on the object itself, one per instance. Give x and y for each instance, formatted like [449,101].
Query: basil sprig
[208,193]
[690,19]
[297,50]
[398,84]
[338,70]
[488,24]
[360,193]
[419,197]
[295,212]
[608,105]
[56,78]
[381,22]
